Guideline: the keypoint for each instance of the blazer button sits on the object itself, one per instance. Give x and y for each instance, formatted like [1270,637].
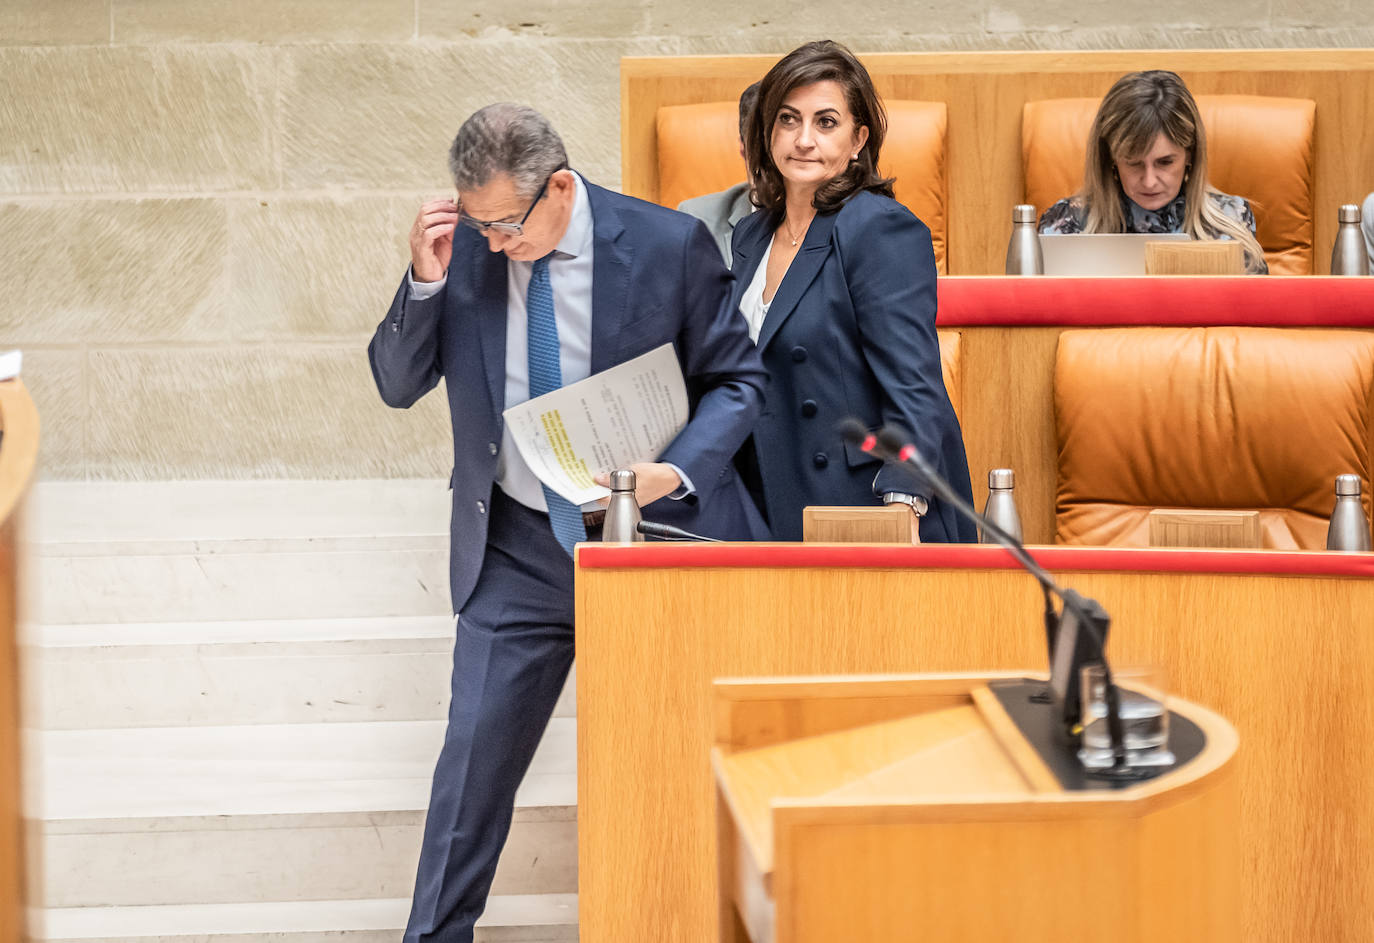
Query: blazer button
[481,507]
[491,447]
[820,459]
[798,354]
[809,408]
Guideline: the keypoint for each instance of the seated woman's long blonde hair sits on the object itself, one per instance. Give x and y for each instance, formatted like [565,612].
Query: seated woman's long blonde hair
[1139,107]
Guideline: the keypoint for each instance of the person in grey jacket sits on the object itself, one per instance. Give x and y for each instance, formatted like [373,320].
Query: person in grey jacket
[721,211]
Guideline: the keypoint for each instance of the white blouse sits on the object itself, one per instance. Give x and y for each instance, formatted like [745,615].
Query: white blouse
[752,305]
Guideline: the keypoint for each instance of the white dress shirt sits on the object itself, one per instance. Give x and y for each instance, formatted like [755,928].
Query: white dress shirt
[751,303]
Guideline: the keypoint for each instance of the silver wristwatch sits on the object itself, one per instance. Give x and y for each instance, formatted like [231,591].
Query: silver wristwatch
[913,501]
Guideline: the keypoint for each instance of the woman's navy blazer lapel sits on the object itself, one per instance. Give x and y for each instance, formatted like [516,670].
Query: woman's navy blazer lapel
[815,249]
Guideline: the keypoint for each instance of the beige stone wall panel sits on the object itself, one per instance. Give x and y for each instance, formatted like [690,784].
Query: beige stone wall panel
[56,381]
[589,119]
[444,19]
[365,117]
[263,21]
[1327,13]
[797,23]
[1010,16]
[96,119]
[49,23]
[113,270]
[297,412]
[316,267]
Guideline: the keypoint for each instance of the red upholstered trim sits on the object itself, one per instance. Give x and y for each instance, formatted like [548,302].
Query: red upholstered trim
[1184,301]
[974,557]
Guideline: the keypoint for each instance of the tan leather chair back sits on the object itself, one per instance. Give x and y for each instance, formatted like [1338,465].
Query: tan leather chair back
[951,362]
[698,150]
[1218,417]
[1258,147]
[698,153]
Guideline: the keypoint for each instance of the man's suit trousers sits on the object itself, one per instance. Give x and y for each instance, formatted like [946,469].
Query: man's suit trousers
[514,648]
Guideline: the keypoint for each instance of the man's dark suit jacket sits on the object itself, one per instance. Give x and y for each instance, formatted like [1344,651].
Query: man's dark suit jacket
[851,332]
[657,277]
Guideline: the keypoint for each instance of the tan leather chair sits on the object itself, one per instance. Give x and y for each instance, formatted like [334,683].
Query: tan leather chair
[951,362]
[1217,417]
[698,153]
[1258,147]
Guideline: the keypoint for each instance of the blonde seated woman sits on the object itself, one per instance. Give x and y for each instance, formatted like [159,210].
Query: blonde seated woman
[1146,171]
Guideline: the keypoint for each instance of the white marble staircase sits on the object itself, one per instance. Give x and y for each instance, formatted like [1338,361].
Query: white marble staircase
[235,695]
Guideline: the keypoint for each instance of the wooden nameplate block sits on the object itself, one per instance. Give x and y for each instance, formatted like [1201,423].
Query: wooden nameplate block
[843,525]
[1195,257]
[1233,530]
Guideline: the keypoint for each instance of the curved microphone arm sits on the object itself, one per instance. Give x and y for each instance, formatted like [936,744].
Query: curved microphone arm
[889,445]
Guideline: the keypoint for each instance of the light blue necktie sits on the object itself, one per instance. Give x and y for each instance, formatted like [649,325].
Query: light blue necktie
[546,375]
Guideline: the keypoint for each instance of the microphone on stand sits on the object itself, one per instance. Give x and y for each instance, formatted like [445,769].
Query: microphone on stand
[669,532]
[1080,616]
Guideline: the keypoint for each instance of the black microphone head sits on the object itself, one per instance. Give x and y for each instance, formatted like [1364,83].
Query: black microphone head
[891,439]
[853,431]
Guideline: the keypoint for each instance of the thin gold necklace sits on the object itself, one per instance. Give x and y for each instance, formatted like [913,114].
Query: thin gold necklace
[788,227]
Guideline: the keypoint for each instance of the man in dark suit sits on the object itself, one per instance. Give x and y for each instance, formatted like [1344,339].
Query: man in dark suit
[536,279]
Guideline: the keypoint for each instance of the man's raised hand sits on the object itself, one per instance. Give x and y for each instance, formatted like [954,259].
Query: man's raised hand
[431,239]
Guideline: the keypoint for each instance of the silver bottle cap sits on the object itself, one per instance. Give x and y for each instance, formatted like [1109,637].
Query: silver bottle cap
[1025,213]
[1347,484]
[622,479]
[1349,213]
[1001,479]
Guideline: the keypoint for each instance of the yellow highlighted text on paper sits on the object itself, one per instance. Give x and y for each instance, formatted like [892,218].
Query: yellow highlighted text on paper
[574,467]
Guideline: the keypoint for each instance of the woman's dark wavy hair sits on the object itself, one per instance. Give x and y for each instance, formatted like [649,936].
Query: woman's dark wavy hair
[822,61]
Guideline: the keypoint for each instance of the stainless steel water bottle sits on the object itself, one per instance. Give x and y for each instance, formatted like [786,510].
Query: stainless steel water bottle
[1349,255]
[1001,506]
[1348,530]
[622,514]
[1023,252]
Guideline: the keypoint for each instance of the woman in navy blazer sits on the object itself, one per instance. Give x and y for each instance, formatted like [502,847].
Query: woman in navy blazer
[837,282]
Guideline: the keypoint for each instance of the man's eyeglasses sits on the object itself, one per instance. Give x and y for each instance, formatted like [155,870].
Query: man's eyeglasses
[505,227]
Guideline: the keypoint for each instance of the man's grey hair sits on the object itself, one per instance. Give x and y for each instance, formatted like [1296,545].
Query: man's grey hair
[506,139]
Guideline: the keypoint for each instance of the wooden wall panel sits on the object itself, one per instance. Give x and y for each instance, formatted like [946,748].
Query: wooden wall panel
[18,455]
[1288,660]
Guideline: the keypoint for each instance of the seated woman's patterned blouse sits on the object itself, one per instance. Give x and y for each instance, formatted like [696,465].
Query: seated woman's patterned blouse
[1069,215]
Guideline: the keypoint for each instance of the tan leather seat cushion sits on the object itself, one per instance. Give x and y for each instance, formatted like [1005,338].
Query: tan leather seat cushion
[951,363]
[698,153]
[1219,417]
[1258,147]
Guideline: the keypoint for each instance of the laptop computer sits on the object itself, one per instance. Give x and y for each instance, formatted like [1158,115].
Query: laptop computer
[1100,253]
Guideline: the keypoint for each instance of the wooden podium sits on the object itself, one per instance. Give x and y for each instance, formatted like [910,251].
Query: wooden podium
[935,817]
[1279,643]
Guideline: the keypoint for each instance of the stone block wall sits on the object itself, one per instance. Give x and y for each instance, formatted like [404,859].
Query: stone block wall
[203,205]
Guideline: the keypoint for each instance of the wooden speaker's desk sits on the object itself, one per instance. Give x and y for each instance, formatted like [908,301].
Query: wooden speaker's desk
[1281,644]
[946,813]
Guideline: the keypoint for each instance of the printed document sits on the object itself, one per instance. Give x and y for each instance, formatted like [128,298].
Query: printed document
[627,414]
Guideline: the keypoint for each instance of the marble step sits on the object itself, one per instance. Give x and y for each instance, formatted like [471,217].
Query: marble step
[226,673]
[239,581]
[71,515]
[512,918]
[215,551]
[253,814]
